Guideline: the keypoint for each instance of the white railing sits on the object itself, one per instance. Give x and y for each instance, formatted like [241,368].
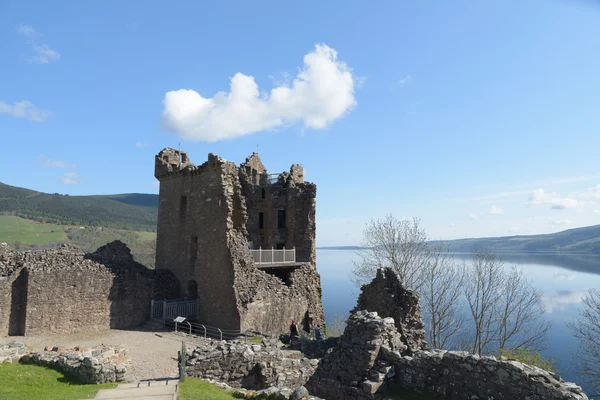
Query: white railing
[169,309]
[273,256]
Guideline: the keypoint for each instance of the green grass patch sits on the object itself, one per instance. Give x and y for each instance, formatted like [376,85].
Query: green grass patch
[255,340]
[21,382]
[14,229]
[530,357]
[193,388]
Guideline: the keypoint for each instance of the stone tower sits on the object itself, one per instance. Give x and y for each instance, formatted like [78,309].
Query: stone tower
[213,218]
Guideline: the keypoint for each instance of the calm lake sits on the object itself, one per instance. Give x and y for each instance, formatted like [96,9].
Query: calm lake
[563,280]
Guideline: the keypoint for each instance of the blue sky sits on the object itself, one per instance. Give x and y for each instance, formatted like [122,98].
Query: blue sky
[480,118]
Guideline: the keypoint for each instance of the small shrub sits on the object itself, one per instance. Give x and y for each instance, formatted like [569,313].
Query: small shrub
[529,357]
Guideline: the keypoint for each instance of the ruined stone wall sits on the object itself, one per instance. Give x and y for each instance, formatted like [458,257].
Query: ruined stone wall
[100,364]
[369,358]
[354,369]
[252,366]
[265,303]
[192,237]
[386,295]
[64,291]
[460,375]
[8,267]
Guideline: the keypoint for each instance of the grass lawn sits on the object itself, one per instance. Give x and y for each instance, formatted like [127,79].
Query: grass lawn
[23,382]
[15,229]
[192,389]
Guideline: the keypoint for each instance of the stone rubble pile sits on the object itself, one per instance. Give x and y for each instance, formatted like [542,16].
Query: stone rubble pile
[273,392]
[251,366]
[353,369]
[100,364]
[12,351]
[386,296]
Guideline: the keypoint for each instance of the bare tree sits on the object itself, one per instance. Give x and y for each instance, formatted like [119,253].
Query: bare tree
[482,291]
[506,310]
[402,245]
[440,292]
[586,328]
[521,315]
[394,243]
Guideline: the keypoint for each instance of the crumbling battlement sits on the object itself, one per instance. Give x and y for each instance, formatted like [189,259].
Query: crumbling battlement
[386,295]
[64,290]
[211,215]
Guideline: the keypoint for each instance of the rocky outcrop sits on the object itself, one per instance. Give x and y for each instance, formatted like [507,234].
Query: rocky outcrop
[100,364]
[386,296]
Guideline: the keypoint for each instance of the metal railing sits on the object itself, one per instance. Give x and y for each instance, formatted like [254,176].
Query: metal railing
[169,309]
[205,331]
[273,256]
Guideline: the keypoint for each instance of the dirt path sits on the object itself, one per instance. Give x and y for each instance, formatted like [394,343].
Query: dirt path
[153,354]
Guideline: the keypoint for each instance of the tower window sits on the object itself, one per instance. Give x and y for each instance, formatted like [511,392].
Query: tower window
[261,220]
[193,251]
[263,193]
[281,219]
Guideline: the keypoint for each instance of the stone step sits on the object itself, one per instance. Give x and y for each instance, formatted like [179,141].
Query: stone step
[166,392]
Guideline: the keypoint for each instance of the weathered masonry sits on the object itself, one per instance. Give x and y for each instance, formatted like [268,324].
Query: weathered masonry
[240,240]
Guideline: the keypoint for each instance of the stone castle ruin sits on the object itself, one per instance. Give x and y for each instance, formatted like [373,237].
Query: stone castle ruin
[239,240]
[65,291]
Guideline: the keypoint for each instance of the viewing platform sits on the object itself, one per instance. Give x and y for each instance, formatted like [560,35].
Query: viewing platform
[275,258]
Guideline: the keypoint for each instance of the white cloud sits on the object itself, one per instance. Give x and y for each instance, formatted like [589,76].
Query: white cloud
[322,92]
[401,82]
[514,229]
[140,144]
[596,211]
[25,109]
[46,162]
[496,210]
[26,30]
[539,197]
[70,178]
[560,222]
[473,216]
[43,53]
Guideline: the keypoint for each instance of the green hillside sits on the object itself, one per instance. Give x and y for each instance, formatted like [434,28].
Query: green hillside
[125,211]
[578,240]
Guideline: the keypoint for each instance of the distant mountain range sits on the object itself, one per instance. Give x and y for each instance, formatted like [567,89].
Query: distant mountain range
[573,241]
[578,240]
[139,212]
[131,211]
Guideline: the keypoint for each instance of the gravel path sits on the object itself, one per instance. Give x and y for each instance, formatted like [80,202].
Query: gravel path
[153,354]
